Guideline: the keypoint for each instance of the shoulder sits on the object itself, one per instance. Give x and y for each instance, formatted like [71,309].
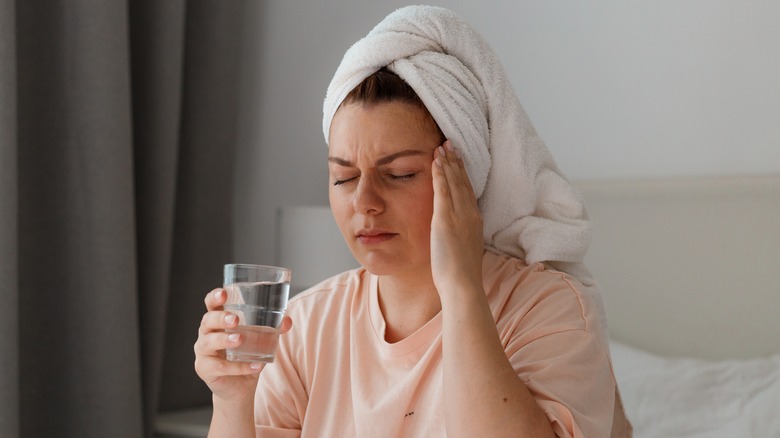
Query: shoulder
[334,292]
[539,297]
[322,315]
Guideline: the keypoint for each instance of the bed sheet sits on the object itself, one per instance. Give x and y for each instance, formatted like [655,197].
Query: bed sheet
[668,397]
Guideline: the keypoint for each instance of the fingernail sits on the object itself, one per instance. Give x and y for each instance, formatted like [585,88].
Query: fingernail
[218,294]
[230,319]
[255,365]
[437,161]
[448,145]
[233,337]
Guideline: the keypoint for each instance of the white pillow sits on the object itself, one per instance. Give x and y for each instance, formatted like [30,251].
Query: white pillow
[681,397]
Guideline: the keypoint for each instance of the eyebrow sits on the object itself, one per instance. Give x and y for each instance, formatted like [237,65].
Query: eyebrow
[380,162]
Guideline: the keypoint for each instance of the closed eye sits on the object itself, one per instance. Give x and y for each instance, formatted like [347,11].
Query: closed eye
[339,182]
[403,177]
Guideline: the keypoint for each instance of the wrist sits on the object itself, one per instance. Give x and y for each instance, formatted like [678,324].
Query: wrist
[463,296]
[232,418]
[234,404]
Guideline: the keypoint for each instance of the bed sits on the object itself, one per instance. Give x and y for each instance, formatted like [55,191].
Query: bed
[689,273]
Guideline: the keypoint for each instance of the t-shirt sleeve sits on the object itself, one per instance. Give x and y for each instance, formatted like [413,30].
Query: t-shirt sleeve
[571,378]
[280,398]
[557,345]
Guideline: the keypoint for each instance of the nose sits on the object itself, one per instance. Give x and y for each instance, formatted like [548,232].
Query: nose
[368,199]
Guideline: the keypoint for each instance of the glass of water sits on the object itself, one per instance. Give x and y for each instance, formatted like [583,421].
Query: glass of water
[257,295]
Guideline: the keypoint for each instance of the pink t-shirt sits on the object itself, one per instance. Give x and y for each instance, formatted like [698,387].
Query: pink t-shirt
[335,375]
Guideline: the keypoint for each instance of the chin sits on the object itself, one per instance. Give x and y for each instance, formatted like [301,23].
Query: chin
[376,265]
[387,264]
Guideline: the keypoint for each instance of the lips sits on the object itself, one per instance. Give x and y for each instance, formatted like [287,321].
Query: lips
[374,236]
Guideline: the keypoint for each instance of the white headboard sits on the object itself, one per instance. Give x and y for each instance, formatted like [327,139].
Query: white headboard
[689,267]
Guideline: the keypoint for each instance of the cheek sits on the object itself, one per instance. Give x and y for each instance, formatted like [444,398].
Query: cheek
[339,207]
[420,201]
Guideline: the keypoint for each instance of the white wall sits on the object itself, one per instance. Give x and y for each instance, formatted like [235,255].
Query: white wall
[617,89]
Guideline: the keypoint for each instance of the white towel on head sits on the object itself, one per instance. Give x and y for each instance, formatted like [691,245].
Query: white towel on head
[528,207]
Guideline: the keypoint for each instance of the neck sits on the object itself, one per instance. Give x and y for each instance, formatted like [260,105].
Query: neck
[407,303]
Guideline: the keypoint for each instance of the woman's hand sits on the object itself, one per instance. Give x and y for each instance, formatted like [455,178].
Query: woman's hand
[456,227]
[475,365]
[230,381]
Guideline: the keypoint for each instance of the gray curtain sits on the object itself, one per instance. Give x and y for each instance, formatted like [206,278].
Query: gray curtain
[117,131]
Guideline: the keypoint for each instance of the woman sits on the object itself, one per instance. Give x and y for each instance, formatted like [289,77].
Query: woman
[472,314]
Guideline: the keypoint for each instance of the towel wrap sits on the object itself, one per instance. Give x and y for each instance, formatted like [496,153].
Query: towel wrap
[529,209]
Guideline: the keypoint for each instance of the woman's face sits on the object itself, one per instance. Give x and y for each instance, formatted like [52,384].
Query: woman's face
[381,189]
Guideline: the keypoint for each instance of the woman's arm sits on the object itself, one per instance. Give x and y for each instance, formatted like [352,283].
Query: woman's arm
[232,418]
[483,394]
[232,383]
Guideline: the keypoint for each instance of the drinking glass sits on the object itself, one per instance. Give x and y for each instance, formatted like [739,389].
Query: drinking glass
[258,296]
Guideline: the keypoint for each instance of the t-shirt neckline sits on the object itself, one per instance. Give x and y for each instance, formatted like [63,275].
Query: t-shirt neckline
[424,336]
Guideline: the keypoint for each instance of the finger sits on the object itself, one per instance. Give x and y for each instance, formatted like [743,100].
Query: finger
[453,157]
[456,179]
[217,320]
[286,325]
[441,192]
[211,368]
[215,343]
[465,176]
[463,188]
[215,299]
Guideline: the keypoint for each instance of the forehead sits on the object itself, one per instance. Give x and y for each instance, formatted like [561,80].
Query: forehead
[381,129]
